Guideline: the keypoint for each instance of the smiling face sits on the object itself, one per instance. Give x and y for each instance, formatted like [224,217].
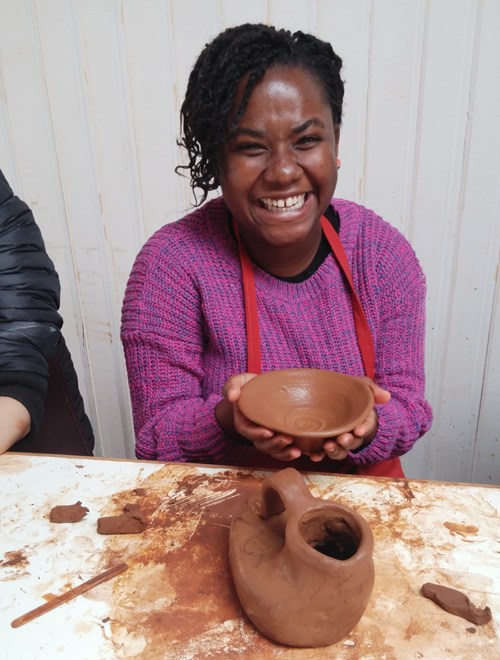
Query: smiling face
[278,167]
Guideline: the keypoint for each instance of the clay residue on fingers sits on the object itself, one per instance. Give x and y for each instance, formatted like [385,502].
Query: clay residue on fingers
[69,513]
[456,602]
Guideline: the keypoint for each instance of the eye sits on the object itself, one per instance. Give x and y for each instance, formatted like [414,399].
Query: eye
[249,148]
[307,141]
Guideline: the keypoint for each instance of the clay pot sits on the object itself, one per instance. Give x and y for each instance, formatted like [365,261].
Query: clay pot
[302,566]
[309,404]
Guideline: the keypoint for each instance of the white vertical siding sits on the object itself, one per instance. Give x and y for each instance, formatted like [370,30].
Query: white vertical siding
[90,92]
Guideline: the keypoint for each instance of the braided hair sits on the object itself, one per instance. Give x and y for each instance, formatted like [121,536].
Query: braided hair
[249,49]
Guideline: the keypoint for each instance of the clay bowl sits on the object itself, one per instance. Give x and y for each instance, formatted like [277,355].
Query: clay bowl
[309,404]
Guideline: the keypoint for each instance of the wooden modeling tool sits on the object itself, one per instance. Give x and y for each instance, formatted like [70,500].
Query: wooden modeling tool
[70,594]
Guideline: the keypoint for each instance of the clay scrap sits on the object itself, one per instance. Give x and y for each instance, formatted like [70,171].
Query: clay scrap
[69,513]
[456,602]
[131,521]
[14,558]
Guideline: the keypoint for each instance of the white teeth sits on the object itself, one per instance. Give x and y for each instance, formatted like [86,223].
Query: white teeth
[288,204]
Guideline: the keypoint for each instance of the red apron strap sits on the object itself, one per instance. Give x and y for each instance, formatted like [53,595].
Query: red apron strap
[254,361]
[365,341]
[391,467]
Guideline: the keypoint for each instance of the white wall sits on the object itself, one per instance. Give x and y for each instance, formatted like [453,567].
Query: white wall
[89,98]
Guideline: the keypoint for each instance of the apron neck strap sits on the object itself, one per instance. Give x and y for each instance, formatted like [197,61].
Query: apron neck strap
[363,334]
[365,341]
[254,361]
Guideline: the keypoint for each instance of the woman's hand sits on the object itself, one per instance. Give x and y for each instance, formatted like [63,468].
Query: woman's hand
[338,448]
[232,420]
[15,422]
[280,445]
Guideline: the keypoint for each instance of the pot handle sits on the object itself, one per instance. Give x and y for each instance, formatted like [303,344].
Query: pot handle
[285,489]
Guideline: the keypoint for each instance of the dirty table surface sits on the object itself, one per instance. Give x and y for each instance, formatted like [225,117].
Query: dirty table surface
[176,600]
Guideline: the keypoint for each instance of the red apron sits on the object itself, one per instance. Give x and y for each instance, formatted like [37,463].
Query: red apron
[389,468]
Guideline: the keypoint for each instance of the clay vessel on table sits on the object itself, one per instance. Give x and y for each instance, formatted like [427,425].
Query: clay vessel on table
[309,404]
[302,566]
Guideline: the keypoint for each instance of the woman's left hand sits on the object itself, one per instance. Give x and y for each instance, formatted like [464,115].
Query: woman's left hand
[362,434]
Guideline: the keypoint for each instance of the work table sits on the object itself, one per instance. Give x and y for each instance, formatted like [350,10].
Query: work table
[176,600]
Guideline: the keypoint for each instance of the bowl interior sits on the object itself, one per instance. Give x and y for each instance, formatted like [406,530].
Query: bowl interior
[310,403]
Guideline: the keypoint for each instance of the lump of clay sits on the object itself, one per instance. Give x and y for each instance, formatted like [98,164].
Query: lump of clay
[69,513]
[131,521]
[455,602]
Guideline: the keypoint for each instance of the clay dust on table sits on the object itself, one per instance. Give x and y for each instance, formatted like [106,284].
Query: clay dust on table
[178,591]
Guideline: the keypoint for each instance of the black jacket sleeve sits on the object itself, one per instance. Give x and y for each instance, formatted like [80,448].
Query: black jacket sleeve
[29,300]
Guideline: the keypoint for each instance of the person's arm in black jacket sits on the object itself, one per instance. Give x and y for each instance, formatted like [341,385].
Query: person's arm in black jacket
[29,321]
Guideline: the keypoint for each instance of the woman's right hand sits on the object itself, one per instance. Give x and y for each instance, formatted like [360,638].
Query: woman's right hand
[233,422]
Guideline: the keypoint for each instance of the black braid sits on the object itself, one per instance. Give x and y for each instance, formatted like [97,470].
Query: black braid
[238,51]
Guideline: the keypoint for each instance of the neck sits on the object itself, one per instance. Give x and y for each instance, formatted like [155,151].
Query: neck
[286,260]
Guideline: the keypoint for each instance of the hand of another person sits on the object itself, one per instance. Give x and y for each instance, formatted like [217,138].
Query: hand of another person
[338,448]
[232,419]
[15,422]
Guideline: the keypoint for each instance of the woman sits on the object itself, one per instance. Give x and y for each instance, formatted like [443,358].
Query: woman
[261,119]
[41,409]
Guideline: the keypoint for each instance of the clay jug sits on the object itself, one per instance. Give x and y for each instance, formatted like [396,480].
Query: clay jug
[302,566]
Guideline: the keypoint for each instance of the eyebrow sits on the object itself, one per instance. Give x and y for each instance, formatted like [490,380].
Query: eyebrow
[307,124]
[241,130]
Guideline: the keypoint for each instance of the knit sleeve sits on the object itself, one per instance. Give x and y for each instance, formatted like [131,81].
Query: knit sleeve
[164,345]
[396,310]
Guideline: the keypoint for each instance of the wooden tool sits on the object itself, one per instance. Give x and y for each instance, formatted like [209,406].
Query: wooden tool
[70,594]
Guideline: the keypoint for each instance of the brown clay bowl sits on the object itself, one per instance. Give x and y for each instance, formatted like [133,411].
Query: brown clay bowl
[309,404]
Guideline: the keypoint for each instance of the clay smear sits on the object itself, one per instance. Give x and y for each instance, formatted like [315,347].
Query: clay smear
[455,602]
[70,513]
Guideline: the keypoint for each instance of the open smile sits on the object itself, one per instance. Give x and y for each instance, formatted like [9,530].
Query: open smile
[284,204]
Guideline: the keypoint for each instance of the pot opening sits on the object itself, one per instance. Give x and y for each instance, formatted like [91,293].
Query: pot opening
[333,537]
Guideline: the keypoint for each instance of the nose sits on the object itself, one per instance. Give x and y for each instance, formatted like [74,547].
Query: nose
[282,168]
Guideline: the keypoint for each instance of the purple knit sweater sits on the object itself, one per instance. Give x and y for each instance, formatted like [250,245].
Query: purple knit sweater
[183,331]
